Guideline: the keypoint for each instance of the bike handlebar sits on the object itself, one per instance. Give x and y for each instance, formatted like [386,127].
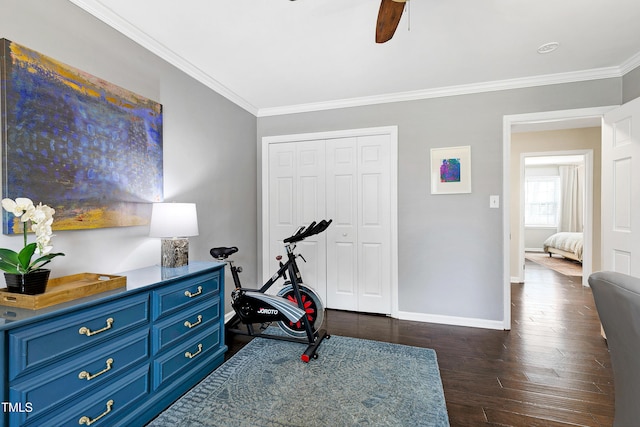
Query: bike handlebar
[311,230]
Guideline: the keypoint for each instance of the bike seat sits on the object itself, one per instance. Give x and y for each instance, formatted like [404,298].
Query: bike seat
[222,252]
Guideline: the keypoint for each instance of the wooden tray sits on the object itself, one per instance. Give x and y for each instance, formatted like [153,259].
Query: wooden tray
[63,289]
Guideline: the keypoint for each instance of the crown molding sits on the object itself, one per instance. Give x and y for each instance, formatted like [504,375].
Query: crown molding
[630,64]
[121,25]
[519,83]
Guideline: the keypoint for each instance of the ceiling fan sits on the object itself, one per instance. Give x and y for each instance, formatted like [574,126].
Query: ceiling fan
[388,19]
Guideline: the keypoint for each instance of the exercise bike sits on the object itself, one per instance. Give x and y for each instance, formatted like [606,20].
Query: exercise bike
[296,308]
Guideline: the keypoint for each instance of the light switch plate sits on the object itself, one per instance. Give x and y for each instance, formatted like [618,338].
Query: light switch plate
[494,202]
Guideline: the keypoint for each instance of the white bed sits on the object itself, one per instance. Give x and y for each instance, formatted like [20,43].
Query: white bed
[569,245]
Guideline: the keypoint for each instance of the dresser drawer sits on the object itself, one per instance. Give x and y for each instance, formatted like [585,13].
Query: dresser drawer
[103,406]
[184,324]
[32,347]
[173,298]
[77,375]
[186,356]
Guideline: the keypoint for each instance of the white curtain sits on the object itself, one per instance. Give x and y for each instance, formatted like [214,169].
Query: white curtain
[571,198]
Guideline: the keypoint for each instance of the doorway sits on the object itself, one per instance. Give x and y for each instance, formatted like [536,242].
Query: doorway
[553,203]
[546,167]
[578,118]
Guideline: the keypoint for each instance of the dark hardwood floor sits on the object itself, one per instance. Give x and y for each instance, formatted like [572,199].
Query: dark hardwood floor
[551,369]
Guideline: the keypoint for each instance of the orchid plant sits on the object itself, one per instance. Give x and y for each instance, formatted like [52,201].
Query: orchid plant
[41,218]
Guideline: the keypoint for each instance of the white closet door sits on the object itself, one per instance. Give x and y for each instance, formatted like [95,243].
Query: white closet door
[282,197]
[359,240]
[342,235]
[349,178]
[311,207]
[297,198]
[620,189]
[374,225]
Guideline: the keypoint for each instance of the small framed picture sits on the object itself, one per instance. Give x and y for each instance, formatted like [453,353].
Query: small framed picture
[451,170]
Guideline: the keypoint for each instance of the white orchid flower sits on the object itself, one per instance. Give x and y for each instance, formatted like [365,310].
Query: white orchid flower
[44,250]
[8,205]
[42,213]
[41,220]
[28,214]
[19,207]
[43,233]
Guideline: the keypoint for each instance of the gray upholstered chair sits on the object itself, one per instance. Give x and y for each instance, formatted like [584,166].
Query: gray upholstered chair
[617,298]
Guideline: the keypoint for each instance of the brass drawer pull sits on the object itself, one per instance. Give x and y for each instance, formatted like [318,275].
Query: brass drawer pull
[190,295]
[88,421]
[191,325]
[86,375]
[86,331]
[192,355]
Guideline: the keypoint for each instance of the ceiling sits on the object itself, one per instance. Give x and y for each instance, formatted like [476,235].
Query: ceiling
[279,56]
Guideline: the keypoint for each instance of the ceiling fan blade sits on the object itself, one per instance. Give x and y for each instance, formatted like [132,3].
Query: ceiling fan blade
[388,19]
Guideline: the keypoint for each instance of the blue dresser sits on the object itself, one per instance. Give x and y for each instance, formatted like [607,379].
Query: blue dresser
[116,358]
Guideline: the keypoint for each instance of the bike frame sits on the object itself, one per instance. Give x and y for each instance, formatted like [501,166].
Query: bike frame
[290,268]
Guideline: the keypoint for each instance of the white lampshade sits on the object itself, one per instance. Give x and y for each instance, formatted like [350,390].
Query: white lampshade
[170,220]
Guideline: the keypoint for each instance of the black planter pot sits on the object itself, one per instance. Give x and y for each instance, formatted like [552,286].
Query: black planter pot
[31,284]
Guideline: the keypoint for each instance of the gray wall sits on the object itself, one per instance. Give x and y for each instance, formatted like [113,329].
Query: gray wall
[209,142]
[631,85]
[450,246]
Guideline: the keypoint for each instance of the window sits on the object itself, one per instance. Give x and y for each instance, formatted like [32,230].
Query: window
[541,201]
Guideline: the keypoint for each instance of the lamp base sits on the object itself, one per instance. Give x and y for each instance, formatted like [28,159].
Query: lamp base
[175,252]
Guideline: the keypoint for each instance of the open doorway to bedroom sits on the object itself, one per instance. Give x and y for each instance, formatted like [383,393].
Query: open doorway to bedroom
[539,123]
[553,195]
[560,166]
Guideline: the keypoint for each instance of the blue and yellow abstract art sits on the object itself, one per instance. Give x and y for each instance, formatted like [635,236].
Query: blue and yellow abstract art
[87,148]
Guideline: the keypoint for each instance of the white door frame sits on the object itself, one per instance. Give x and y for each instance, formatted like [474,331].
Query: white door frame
[392,131]
[588,210]
[507,123]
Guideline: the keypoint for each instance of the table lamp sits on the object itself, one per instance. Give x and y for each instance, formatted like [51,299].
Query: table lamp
[174,223]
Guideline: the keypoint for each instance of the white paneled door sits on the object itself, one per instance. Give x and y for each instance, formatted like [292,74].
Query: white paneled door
[349,180]
[621,189]
[342,235]
[297,197]
[359,246]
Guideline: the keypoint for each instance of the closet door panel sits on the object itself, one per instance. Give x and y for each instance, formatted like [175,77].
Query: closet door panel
[297,198]
[342,238]
[347,180]
[374,224]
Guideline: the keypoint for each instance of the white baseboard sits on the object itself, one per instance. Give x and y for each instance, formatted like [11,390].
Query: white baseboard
[452,320]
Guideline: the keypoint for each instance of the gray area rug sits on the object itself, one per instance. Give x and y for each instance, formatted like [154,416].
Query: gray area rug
[353,382]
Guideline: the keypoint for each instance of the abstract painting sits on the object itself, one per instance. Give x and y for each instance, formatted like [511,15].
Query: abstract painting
[451,170]
[86,147]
